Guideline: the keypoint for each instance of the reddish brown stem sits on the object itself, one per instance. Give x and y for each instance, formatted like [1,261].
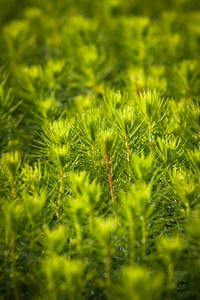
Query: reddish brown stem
[110,178]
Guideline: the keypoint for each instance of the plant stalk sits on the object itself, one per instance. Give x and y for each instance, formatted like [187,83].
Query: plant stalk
[187,209]
[128,157]
[107,267]
[95,163]
[32,242]
[61,190]
[150,135]
[79,238]
[6,249]
[143,238]
[53,292]
[13,269]
[90,220]
[132,242]
[13,191]
[170,280]
[108,164]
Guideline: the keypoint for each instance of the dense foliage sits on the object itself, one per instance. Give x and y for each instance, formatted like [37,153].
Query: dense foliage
[100,158]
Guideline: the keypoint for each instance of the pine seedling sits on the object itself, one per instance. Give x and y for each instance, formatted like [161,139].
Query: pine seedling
[136,79]
[91,61]
[50,25]
[143,167]
[34,176]
[172,41]
[85,191]
[82,104]
[184,80]
[127,124]
[55,240]
[170,250]
[157,80]
[64,278]
[191,265]
[141,79]
[104,230]
[88,126]
[140,283]
[59,143]
[136,206]
[43,91]
[44,83]
[141,31]
[107,143]
[11,162]
[18,44]
[78,212]
[94,65]
[48,109]
[154,110]
[113,101]
[8,124]
[189,124]
[169,150]
[13,216]
[82,205]
[185,188]
[59,156]
[194,159]
[81,30]
[129,219]
[193,232]
[58,133]
[175,118]
[33,206]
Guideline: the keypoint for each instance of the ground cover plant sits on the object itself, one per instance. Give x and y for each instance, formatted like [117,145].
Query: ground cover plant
[100,158]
